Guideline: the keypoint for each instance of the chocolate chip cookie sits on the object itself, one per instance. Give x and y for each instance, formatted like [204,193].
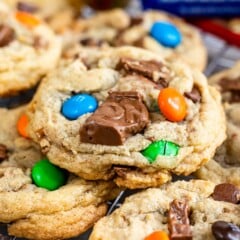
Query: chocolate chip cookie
[157,31]
[226,167]
[128,115]
[31,203]
[182,210]
[28,50]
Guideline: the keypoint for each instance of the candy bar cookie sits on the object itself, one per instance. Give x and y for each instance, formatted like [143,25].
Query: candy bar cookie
[226,167]
[37,199]
[126,114]
[195,210]
[157,31]
[28,50]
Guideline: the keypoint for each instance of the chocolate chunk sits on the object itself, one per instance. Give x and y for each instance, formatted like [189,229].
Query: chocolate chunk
[3,152]
[151,69]
[120,116]
[235,97]
[6,35]
[178,221]
[226,192]
[136,21]
[90,42]
[27,7]
[225,231]
[194,95]
[232,86]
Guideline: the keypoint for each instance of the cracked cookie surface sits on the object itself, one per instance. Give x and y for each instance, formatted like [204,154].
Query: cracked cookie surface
[28,50]
[226,167]
[185,145]
[117,28]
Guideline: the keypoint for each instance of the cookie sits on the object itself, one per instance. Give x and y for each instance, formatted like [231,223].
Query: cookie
[28,50]
[28,206]
[98,117]
[59,15]
[116,28]
[226,167]
[182,210]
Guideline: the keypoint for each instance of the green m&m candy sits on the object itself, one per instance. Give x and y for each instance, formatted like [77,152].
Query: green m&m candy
[48,176]
[161,147]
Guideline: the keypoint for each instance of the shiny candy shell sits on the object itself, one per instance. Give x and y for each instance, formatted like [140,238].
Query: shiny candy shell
[166,34]
[162,147]
[79,105]
[46,175]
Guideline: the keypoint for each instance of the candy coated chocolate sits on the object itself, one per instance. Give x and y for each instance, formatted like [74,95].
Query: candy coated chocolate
[166,34]
[161,147]
[225,231]
[46,175]
[79,105]
[120,116]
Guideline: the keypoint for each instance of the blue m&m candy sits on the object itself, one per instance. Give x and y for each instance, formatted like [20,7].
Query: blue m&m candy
[166,34]
[78,105]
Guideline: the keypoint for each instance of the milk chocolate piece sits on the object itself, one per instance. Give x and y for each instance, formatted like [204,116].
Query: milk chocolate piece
[225,231]
[151,69]
[135,20]
[27,7]
[6,35]
[232,86]
[178,221]
[91,42]
[120,116]
[194,95]
[226,192]
[3,152]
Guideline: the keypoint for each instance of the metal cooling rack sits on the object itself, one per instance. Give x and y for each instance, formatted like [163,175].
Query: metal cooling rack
[220,56]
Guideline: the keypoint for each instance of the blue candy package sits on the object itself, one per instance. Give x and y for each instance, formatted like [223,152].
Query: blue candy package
[196,8]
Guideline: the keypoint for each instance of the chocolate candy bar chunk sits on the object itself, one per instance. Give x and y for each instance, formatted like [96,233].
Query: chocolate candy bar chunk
[120,116]
[226,192]
[6,35]
[178,221]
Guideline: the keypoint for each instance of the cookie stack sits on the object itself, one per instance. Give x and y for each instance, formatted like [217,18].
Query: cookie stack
[121,104]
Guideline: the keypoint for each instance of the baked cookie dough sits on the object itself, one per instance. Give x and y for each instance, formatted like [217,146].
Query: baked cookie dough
[37,213]
[28,50]
[195,210]
[226,167]
[157,31]
[98,117]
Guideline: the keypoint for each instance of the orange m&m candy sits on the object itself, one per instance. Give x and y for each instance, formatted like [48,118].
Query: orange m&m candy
[158,235]
[27,19]
[172,104]
[22,125]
